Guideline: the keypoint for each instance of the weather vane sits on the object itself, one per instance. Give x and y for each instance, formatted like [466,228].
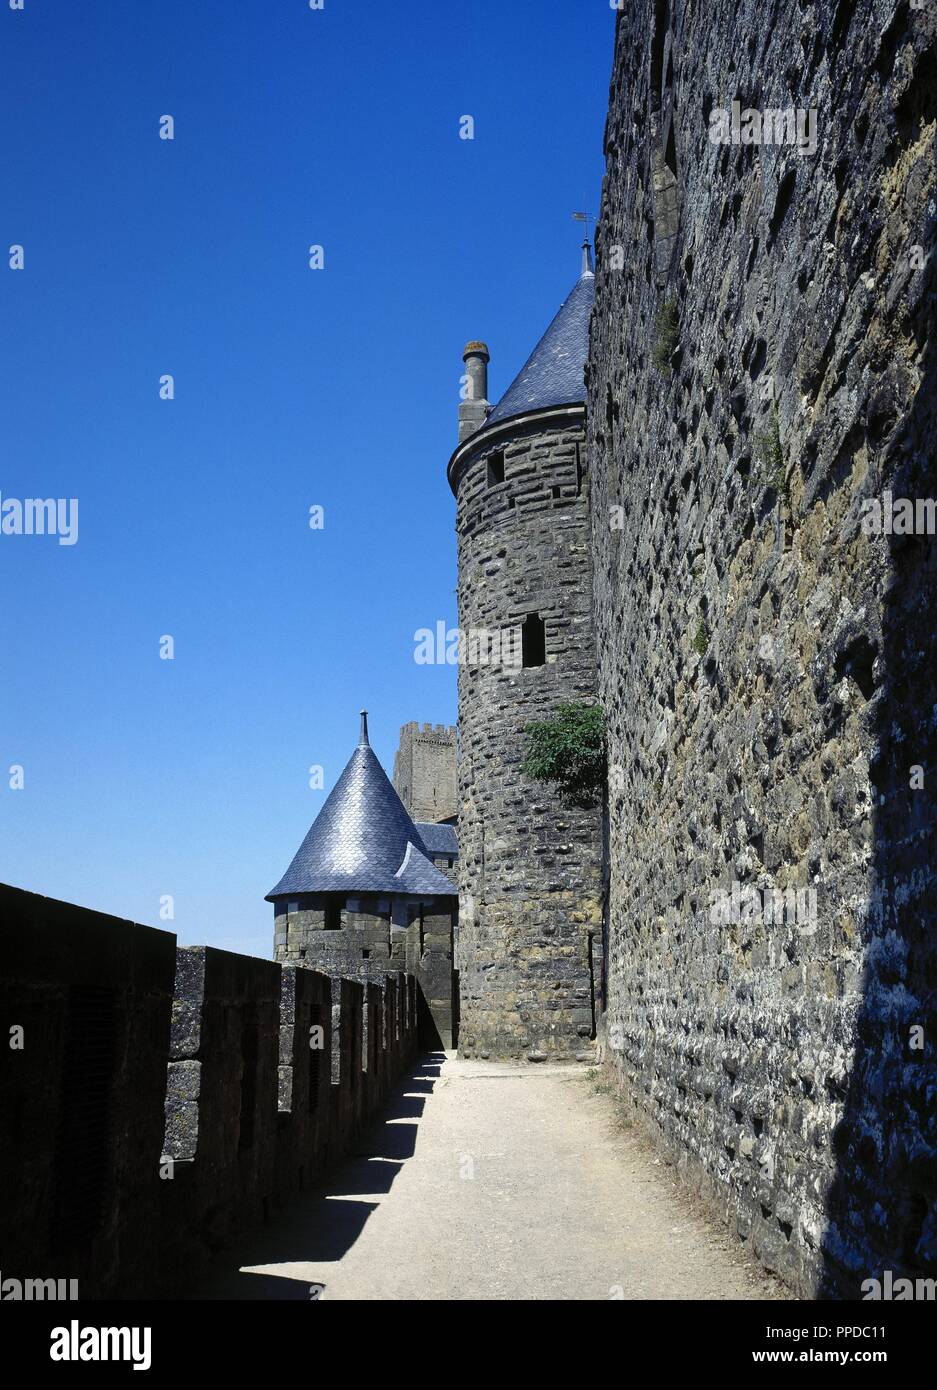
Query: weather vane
[584,217]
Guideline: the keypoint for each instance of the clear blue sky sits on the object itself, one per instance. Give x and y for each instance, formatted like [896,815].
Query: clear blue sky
[293,387]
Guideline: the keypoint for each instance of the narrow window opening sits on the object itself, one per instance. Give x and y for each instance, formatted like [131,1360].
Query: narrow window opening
[495,468]
[533,641]
[333,914]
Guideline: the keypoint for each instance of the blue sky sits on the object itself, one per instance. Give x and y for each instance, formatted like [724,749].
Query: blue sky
[336,387]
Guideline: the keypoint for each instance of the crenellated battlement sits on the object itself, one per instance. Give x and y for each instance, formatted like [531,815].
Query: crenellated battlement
[188,1091]
[414,728]
[425,770]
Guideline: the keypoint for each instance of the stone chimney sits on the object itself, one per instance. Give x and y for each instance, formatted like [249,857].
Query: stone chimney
[474,408]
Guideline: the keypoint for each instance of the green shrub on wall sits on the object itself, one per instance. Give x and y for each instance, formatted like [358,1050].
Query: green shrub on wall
[569,751]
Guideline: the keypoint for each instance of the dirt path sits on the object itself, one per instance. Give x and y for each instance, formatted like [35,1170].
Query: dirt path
[487,1180]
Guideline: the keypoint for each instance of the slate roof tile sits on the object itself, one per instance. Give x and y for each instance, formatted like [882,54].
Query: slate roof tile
[553,373]
[363,840]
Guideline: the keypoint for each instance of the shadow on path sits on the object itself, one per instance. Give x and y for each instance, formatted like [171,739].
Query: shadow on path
[321,1225]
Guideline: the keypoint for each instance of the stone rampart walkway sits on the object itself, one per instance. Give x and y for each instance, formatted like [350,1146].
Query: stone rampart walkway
[491,1181]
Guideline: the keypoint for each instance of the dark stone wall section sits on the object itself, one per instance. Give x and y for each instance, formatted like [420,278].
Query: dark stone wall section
[157,1100]
[762,366]
[82,1088]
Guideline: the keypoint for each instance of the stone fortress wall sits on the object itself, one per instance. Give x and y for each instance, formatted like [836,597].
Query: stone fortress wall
[767,666]
[160,1098]
[762,363]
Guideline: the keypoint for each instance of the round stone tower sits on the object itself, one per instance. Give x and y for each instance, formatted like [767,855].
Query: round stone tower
[529,940]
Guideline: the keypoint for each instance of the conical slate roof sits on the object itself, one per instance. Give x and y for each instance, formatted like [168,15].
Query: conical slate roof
[553,373]
[363,840]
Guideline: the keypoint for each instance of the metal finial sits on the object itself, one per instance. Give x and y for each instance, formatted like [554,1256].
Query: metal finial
[363,740]
[586,247]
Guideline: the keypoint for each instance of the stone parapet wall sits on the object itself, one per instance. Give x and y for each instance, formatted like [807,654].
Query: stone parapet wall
[162,1099]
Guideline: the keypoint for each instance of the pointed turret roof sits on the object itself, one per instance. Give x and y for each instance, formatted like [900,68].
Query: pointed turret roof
[553,373]
[363,840]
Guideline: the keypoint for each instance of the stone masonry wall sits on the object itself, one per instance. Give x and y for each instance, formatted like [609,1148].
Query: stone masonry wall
[416,937]
[364,946]
[156,1100]
[425,772]
[767,666]
[529,869]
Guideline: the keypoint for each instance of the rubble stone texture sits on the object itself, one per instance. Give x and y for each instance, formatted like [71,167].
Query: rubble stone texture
[365,945]
[767,668]
[530,868]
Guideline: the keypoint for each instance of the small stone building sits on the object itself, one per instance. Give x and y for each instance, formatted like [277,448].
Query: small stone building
[367,893]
